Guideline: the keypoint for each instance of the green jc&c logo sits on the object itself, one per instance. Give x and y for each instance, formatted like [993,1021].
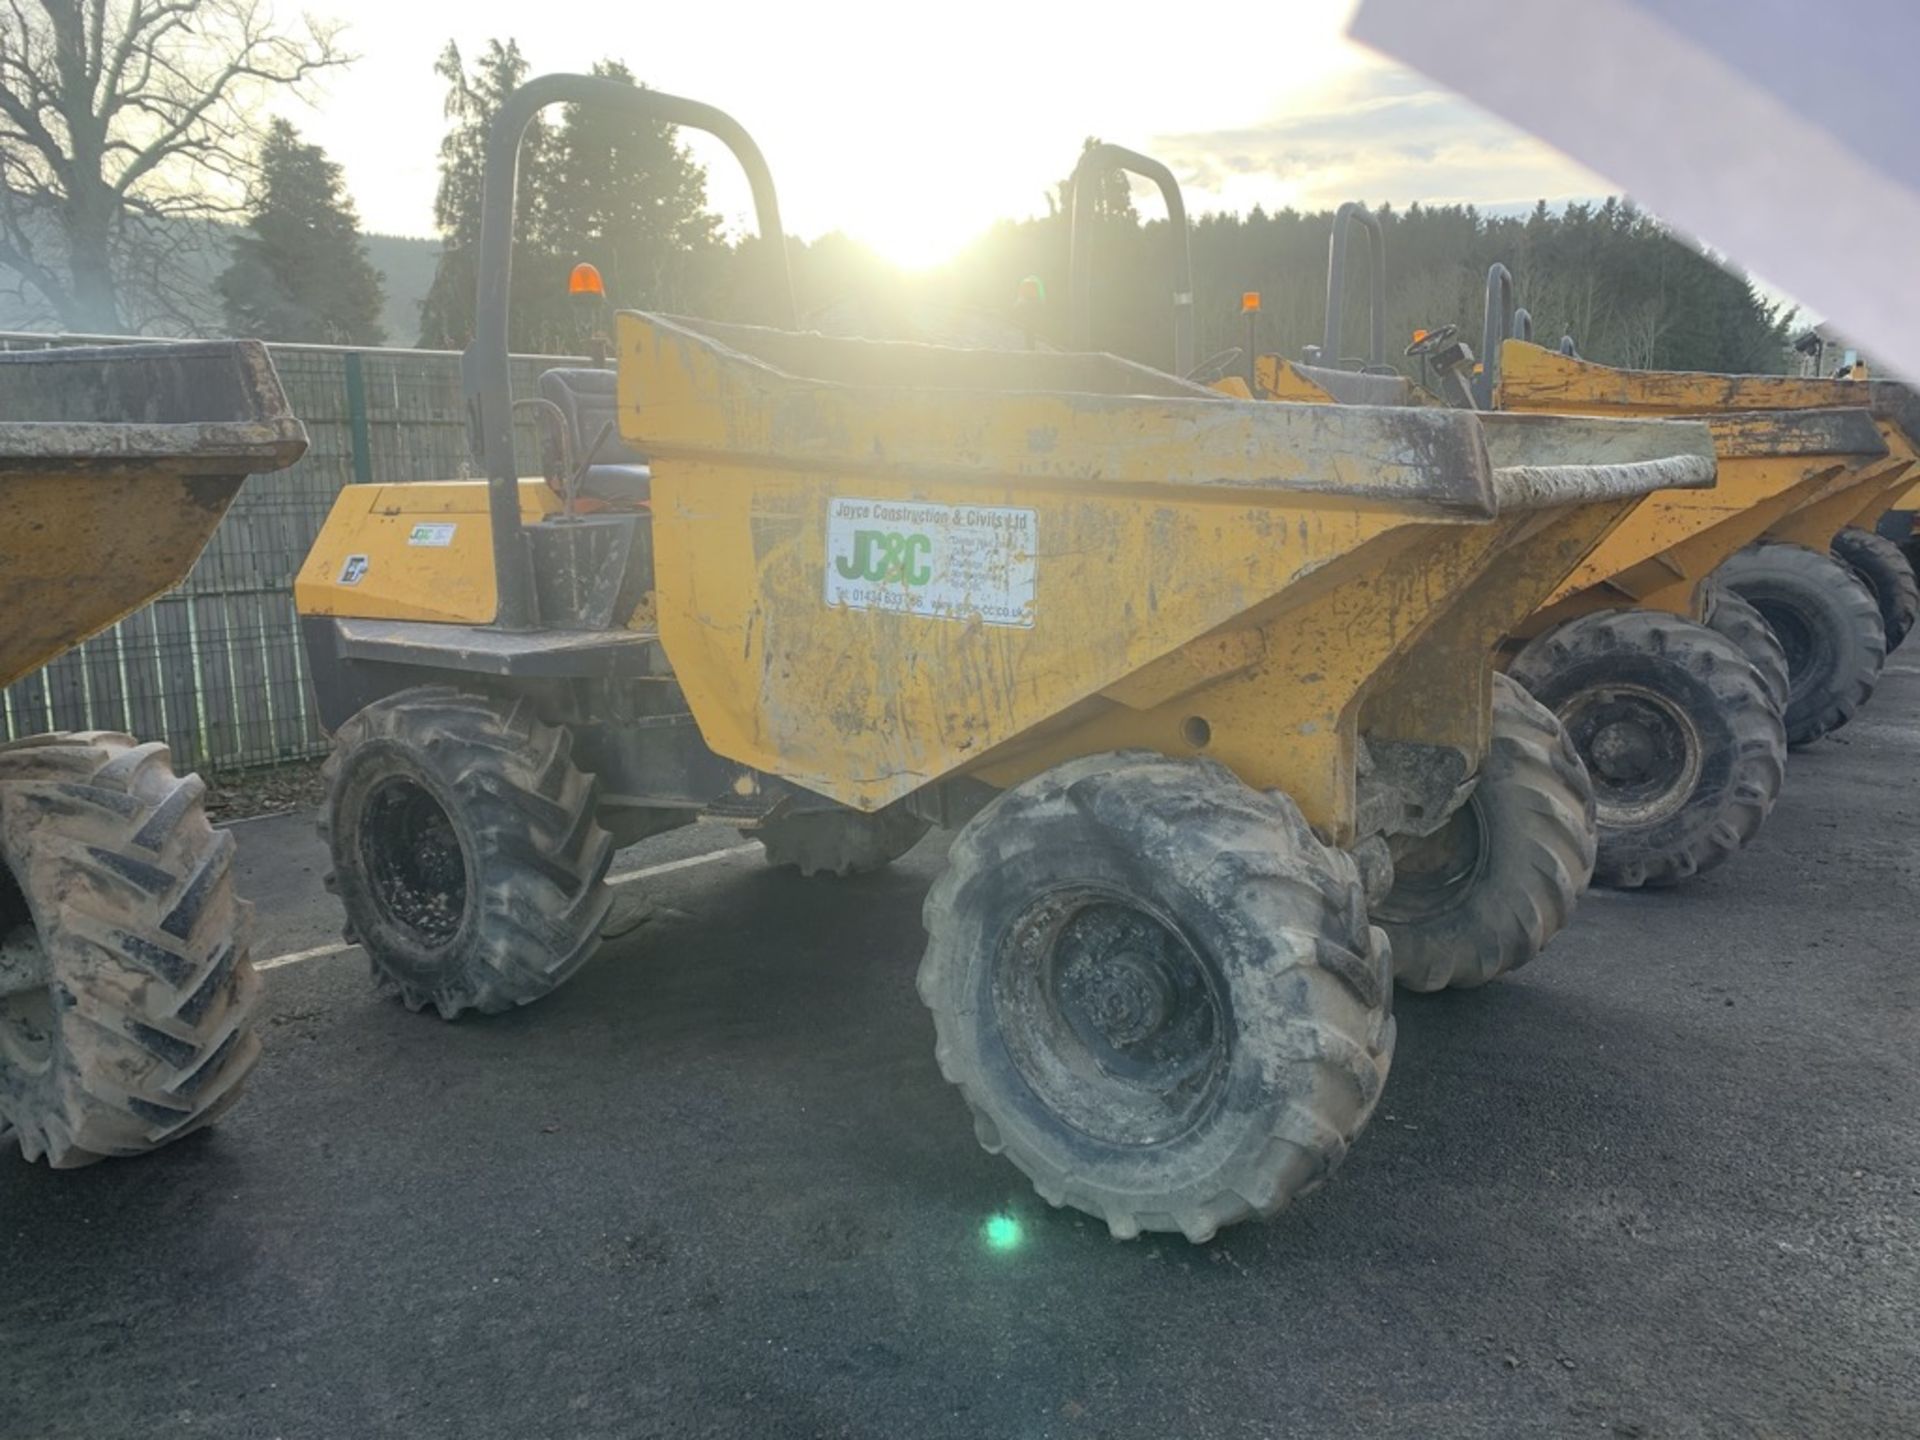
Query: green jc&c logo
[884,555]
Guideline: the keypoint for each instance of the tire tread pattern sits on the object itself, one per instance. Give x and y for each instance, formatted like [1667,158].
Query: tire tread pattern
[542,859]
[1777,572]
[1886,571]
[1538,816]
[1758,742]
[1300,906]
[131,890]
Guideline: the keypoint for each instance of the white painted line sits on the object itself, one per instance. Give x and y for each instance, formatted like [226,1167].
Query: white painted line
[319,952]
[668,866]
[625,877]
[306,810]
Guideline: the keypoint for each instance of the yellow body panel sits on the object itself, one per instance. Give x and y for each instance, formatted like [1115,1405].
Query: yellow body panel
[868,705]
[117,465]
[422,551]
[80,551]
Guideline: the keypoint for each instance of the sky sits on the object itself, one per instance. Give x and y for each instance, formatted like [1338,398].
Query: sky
[911,127]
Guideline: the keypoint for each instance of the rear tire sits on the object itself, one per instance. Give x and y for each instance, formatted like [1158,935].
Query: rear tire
[1676,729]
[841,842]
[1484,893]
[465,849]
[1884,568]
[1826,621]
[1730,615]
[126,996]
[1158,992]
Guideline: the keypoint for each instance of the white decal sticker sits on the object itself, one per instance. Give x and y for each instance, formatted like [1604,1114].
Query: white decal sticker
[950,562]
[431,533]
[354,571]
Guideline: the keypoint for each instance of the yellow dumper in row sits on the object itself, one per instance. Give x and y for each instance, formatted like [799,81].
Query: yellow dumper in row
[1184,673]
[1835,595]
[1638,655]
[126,996]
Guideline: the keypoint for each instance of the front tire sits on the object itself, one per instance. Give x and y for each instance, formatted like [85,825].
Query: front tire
[126,995]
[1158,992]
[1883,567]
[1675,727]
[465,849]
[1826,621]
[1483,894]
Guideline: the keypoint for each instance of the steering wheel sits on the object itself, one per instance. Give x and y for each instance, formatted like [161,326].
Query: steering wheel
[1436,339]
[1214,367]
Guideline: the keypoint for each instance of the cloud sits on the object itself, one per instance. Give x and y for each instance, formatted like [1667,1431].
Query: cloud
[1378,133]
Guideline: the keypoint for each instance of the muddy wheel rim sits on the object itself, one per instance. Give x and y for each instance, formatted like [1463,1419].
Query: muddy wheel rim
[416,869]
[1114,1018]
[1641,750]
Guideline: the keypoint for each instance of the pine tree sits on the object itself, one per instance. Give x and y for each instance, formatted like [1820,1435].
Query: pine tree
[595,187]
[631,200]
[299,271]
[446,316]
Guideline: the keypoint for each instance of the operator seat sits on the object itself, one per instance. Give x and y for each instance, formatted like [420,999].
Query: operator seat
[619,475]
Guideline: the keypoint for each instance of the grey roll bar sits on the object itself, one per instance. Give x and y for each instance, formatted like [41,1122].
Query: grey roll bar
[1350,213]
[1522,323]
[1497,326]
[486,374]
[1080,248]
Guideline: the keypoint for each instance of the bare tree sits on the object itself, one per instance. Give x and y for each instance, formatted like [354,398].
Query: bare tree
[125,125]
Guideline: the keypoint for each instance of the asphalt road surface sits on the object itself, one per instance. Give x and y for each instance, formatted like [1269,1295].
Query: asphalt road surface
[1664,1183]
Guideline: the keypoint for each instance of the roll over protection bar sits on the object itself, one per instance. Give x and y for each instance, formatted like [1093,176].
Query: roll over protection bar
[1080,248]
[1352,213]
[485,371]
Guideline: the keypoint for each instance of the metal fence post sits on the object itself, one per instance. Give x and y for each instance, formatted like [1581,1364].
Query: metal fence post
[357,420]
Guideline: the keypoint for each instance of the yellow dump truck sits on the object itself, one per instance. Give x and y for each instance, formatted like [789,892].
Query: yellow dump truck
[1188,676]
[1636,651]
[126,996]
[1835,595]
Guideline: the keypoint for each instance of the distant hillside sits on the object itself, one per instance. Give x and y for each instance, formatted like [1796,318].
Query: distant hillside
[405,265]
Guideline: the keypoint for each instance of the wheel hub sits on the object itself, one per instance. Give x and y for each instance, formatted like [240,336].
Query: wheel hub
[413,859]
[1625,750]
[1114,1019]
[1126,997]
[1641,750]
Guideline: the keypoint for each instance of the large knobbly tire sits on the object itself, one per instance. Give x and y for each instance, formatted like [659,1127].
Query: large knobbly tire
[1887,573]
[1157,991]
[1484,893]
[1730,615]
[465,849]
[1826,621]
[841,842]
[1676,729]
[126,994]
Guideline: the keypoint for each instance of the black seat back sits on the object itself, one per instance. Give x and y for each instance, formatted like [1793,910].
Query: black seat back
[588,399]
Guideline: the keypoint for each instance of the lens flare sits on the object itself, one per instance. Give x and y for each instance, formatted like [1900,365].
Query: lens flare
[1002,1233]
